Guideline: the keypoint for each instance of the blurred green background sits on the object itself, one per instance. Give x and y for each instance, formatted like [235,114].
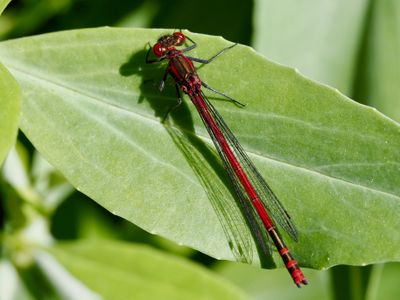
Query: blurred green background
[353,46]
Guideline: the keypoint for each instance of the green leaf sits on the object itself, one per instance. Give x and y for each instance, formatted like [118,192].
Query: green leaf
[321,39]
[358,55]
[118,270]
[3,5]
[334,164]
[379,72]
[10,95]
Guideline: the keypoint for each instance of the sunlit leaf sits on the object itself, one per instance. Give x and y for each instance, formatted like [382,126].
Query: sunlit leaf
[378,82]
[9,111]
[116,270]
[89,108]
[320,38]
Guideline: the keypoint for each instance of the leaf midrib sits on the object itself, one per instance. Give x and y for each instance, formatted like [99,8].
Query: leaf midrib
[206,138]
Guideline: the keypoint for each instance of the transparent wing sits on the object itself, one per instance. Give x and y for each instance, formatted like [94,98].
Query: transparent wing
[271,203]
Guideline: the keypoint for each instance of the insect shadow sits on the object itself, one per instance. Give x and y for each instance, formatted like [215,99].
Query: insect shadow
[201,157]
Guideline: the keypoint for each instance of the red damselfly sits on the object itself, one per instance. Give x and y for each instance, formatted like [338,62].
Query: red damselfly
[249,185]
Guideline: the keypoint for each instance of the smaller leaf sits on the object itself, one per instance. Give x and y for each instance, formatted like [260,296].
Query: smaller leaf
[378,82]
[117,270]
[300,34]
[3,5]
[10,96]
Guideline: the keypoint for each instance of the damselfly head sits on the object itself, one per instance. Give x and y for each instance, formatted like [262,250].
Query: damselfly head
[168,42]
[180,38]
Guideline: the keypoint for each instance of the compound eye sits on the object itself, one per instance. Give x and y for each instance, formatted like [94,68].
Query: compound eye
[180,38]
[158,50]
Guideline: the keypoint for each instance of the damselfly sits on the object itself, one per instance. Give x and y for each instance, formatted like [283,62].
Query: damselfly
[249,185]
